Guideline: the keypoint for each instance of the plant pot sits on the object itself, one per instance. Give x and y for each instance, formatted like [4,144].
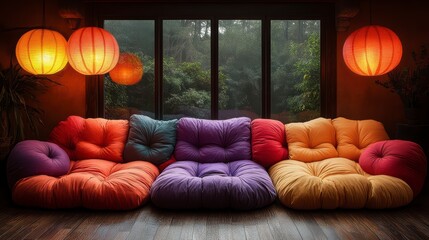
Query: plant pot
[417,115]
[5,147]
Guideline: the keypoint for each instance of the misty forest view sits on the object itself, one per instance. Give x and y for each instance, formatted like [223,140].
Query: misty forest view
[186,86]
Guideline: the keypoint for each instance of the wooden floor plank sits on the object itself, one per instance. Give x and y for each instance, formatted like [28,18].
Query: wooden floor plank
[144,226]
[188,222]
[200,226]
[225,223]
[238,226]
[272,222]
[175,228]
[66,221]
[114,223]
[214,224]
[284,226]
[61,234]
[87,228]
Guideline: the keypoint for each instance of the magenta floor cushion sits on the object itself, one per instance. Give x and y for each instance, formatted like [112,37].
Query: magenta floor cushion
[32,157]
[398,158]
[213,168]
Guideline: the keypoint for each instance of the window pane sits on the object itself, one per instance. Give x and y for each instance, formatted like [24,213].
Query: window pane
[295,70]
[121,101]
[240,68]
[186,68]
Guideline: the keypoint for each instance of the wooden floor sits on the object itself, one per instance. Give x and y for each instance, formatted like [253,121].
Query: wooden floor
[273,222]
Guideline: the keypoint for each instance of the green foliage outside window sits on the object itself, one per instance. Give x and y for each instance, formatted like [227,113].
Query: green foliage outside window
[307,71]
[295,68]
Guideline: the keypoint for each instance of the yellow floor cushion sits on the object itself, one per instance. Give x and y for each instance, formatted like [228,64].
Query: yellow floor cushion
[336,183]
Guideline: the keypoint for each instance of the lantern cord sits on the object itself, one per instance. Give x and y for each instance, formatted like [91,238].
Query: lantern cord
[2,30]
[370,12]
[44,15]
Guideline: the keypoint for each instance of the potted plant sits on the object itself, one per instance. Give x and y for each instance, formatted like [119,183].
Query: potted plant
[412,85]
[19,107]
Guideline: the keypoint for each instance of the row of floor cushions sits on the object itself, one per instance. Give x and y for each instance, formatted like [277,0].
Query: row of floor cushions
[235,163]
[339,163]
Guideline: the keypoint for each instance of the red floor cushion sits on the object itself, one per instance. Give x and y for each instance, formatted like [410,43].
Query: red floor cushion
[268,142]
[91,138]
[402,159]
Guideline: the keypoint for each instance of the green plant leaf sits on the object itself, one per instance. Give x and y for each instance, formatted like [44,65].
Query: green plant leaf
[19,105]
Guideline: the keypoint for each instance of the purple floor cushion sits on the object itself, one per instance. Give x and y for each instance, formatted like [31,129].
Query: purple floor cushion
[240,184]
[213,169]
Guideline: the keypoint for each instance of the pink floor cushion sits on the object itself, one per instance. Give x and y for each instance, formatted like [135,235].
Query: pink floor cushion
[32,157]
[402,159]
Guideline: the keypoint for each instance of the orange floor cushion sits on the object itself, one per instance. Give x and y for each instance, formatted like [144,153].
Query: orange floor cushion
[81,166]
[91,183]
[336,183]
[323,168]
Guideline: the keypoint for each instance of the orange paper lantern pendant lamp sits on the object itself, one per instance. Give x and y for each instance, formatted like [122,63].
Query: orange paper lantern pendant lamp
[128,71]
[42,51]
[92,51]
[372,51]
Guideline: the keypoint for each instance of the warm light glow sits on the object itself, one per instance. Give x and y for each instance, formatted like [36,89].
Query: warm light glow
[92,51]
[372,51]
[128,71]
[41,51]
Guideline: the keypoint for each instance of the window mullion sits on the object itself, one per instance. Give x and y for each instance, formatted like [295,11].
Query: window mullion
[158,69]
[214,41]
[266,67]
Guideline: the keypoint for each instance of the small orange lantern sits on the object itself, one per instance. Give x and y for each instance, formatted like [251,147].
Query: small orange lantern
[41,51]
[128,71]
[92,51]
[372,51]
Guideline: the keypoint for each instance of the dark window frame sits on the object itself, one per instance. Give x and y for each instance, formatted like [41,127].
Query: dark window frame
[97,12]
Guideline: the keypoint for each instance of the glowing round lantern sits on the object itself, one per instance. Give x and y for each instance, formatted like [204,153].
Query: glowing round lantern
[128,71]
[372,51]
[42,51]
[92,51]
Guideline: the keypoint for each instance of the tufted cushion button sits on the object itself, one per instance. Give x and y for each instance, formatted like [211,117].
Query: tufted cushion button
[66,134]
[268,142]
[102,139]
[398,158]
[32,157]
[205,141]
[353,136]
[92,183]
[241,184]
[311,141]
[336,183]
[150,140]
[212,168]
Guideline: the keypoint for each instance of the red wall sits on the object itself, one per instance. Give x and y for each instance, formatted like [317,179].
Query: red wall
[60,101]
[357,97]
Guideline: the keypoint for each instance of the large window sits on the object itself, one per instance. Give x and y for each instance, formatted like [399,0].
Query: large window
[186,68]
[295,70]
[240,68]
[120,101]
[221,64]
